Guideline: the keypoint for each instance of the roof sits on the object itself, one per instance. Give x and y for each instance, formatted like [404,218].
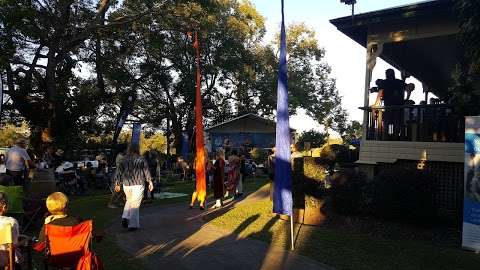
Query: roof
[248,115]
[431,56]
[358,30]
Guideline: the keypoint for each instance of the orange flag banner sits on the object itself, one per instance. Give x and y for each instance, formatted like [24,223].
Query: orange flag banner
[200,153]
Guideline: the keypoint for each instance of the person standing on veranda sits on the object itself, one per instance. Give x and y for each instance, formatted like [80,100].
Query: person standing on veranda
[132,173]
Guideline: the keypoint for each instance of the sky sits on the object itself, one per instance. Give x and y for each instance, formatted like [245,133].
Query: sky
[346,57]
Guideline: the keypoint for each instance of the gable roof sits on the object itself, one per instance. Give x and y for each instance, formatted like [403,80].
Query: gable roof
[251,116]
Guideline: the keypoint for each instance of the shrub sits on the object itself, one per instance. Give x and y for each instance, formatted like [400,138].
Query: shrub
[332,153]
[405,194]
[347,191]
[315,175]
[259,155]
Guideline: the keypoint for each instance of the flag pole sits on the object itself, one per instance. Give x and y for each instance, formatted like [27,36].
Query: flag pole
[200,159]
[291,233]
[282,195]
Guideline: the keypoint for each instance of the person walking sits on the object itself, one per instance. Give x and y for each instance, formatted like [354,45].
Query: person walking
[233,173]
[219,179]
[271,172]
[16,162]
[132,173]
[117,196]
[243,174]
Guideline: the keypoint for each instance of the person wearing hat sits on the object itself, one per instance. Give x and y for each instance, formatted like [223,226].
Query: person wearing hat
[17,160]
[58,158]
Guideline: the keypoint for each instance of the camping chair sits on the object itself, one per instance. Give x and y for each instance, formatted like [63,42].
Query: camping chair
[67,246]
[68,182]
[7,256]
[17,206]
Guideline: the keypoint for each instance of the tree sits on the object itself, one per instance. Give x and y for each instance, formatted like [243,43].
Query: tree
[315,138]
[309,83]
[465,90]
[227,31]
[352,131]
[45,45]
[10,133]
[69,64]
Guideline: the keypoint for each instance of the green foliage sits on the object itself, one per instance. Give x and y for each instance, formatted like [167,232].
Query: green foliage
[9,134]
[259,155]
[313,170]
[405,194]
[316,138]
[465,91]
[353,130]
[333,153]
[105,50]
[347,191]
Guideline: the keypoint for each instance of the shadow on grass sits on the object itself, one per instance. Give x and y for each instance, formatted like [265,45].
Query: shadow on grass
[174,237]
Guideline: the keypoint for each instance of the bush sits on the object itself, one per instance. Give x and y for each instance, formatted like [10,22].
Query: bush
[347,191]
[405,194]
[315,175]
[259,155]
[333,153]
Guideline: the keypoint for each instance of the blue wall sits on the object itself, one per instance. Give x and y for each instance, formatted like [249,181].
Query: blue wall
[258,140]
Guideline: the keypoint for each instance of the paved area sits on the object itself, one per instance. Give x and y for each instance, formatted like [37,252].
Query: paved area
[174,237]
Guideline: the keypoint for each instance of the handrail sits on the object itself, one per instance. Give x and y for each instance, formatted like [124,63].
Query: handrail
[428,106]
[430,122]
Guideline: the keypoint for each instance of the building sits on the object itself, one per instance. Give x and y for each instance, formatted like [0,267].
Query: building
[242,133]
[421,40]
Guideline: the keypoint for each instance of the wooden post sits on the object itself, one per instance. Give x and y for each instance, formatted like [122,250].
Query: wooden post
[366,98]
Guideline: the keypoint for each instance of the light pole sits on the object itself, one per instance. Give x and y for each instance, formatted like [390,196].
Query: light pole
[351,3]
[1,97]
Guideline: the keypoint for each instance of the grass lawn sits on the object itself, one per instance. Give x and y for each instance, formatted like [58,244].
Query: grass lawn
[343,250]
[95,207]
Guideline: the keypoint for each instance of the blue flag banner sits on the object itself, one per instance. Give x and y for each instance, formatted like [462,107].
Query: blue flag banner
[137,129]
[185,145]
[282,196]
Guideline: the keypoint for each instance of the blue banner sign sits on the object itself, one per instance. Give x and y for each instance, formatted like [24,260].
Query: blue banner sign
[471,206]
[137,129]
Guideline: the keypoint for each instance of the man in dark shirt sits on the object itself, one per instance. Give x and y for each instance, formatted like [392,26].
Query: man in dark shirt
[393,89]
[393,95]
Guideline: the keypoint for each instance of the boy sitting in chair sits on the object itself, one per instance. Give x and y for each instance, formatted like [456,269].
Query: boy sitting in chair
[57,203]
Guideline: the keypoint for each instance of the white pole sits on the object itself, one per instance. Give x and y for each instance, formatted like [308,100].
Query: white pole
[1,97]
[291,233]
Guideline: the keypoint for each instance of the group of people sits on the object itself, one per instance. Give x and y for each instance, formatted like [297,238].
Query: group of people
[226,177]
[393,92]
[57,206]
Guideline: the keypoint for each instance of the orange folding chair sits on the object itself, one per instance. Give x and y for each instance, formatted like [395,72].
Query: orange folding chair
[68,246]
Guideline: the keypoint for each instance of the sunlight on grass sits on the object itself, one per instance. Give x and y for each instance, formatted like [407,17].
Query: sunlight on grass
[343,250]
